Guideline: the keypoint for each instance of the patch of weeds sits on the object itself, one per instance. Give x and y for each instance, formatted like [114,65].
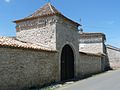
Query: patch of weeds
[50,89]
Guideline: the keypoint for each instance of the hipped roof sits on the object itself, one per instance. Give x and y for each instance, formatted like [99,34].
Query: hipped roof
[46,10]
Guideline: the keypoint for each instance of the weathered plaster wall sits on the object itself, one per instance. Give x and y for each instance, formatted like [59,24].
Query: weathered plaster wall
[114,57]
[26,68]
[89,64]
[67,33]
[91,47]
[41,31]
[92,42]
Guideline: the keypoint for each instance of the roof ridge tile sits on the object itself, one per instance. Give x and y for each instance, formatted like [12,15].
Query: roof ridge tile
[47,9]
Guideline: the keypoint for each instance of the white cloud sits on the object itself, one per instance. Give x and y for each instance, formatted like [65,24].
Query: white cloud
[7,1]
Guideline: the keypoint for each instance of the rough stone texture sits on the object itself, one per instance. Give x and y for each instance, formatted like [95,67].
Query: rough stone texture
[94,43]
[55,33]
[89,64]
[114,56]
[41,31]
[26,68]
[67,34]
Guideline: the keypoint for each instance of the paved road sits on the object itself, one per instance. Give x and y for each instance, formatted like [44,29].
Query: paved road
[106,81]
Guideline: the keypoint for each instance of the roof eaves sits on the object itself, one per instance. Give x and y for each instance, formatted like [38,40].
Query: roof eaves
[70,20]
[31,18]
[58,14]
[14,43]
[92,54]
[27,48]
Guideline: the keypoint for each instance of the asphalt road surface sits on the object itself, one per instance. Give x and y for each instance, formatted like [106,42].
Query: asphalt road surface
[107,81]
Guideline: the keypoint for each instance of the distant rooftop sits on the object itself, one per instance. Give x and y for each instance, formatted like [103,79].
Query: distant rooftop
[113,47]
[89,35]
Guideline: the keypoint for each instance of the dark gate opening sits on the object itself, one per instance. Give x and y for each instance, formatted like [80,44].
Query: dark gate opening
[67,63]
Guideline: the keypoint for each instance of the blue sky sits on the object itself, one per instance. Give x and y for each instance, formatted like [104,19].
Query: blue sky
[96,15]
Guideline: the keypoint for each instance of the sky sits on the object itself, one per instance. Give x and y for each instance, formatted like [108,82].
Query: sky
[94,15]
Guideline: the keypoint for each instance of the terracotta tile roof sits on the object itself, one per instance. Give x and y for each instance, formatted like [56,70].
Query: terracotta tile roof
[46,10]
[13,42]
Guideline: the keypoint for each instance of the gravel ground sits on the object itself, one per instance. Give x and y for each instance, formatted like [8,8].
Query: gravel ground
[56,86]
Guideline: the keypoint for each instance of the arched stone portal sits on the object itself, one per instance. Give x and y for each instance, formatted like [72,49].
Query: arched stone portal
[67,63]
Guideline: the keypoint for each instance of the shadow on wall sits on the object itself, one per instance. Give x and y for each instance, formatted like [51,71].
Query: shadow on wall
[107,64]
[106,60]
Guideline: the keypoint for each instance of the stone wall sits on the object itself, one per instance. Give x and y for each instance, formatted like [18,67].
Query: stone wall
[113,56]
[89,64]
[67,34]
[38,31]
[22,68]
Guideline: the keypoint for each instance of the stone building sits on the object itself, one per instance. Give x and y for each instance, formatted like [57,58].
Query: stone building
[48,48]
[94,43]
[114,56]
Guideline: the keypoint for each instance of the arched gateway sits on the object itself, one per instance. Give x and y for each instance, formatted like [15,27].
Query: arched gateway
[67,63]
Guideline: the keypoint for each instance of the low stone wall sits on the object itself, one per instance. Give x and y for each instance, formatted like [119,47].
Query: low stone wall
[22,68]
[89,64]
[113,56]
